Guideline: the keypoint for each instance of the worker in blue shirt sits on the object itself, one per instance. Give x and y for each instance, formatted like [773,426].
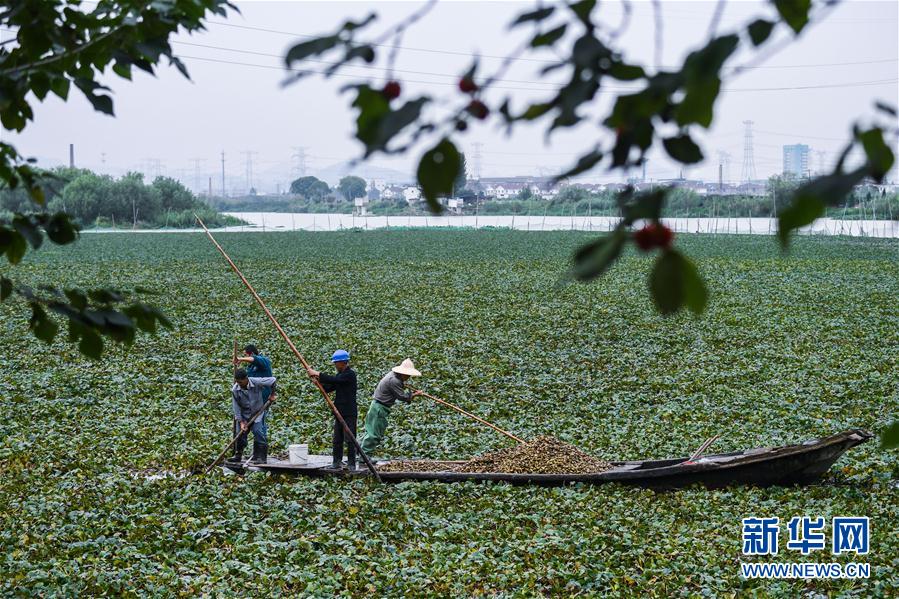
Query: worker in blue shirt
[257,365]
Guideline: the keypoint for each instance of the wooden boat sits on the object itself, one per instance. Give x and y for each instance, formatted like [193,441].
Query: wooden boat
[763,466]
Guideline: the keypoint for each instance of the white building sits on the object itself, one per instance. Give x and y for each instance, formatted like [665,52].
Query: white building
[411,194]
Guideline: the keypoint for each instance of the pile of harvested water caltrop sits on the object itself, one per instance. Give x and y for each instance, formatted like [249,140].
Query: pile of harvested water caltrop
[543,455]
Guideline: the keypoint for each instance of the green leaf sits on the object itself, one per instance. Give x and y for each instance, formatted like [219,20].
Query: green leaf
[42,326]
[794,12]
[646,205]
[809,201]
[595,258]
[890,110]
[548,38]
[91,345]
[582,10]
[889,438]
[626,72]
[759,31]
[29,230]
[123,70]
[377,124]
[803,210]
[77,298]
[683,149]
[535,111]
[102,104]
[702,81]
[584,163]
[313,47]
[37,195]
[880,156]
[60,86]
[60,229]
[666,282]
[16,246]
[696,295]
[105,296]
[536,15]
[675,282]
[437,171]
[699,103]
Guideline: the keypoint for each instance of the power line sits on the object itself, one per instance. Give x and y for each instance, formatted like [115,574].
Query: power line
[605,88]
[518,58]
[453,76]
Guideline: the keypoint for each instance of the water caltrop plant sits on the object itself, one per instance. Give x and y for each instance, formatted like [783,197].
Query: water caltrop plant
[93,453]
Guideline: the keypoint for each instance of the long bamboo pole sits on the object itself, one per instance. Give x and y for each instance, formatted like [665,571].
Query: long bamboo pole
[472,416]
[296,352]
[238,436]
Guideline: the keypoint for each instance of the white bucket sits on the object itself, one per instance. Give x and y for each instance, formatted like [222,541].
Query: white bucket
[299,454]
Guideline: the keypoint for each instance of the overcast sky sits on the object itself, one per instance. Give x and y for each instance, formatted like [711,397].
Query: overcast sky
[809,92]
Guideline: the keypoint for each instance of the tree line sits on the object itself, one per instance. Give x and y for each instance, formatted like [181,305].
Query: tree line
[95,200]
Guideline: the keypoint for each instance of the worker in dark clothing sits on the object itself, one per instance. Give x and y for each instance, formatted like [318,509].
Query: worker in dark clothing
[344,383]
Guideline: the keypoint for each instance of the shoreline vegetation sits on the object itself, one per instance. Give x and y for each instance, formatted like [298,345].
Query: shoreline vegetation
[573,201]
[97,201]
[101,201]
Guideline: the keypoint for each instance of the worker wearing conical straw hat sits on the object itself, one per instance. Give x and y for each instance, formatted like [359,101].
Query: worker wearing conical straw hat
[390,389]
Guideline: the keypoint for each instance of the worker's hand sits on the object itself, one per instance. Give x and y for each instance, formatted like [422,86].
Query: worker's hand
[417,393]
[313,373]
[243,426]
[272,398]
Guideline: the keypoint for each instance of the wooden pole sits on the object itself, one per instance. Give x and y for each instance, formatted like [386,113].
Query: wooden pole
[296,352]
[237,436]
[472,416]
[703,447]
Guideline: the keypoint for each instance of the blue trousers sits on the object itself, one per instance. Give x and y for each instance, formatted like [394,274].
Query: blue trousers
[260,435]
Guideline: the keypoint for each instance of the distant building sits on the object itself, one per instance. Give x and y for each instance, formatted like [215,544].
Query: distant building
[411,194]
[796,160]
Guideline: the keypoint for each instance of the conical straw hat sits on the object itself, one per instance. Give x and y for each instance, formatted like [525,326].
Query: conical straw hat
[407,367]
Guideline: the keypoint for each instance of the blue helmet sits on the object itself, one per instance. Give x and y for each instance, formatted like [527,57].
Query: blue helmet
[341,355]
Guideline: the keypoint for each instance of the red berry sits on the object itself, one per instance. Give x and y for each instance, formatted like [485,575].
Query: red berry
[392,90]
[664,236]
[478,109]
[467,85]
[652,236]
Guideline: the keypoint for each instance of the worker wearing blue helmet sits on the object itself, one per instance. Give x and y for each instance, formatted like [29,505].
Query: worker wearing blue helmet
[344,385]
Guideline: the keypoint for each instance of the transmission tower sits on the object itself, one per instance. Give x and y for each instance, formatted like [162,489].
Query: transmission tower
[249,154]
[476,159]
[748,173]
[299,162]
[198,179]
[223,173]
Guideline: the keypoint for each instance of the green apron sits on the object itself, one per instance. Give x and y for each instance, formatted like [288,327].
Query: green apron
[375,426]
